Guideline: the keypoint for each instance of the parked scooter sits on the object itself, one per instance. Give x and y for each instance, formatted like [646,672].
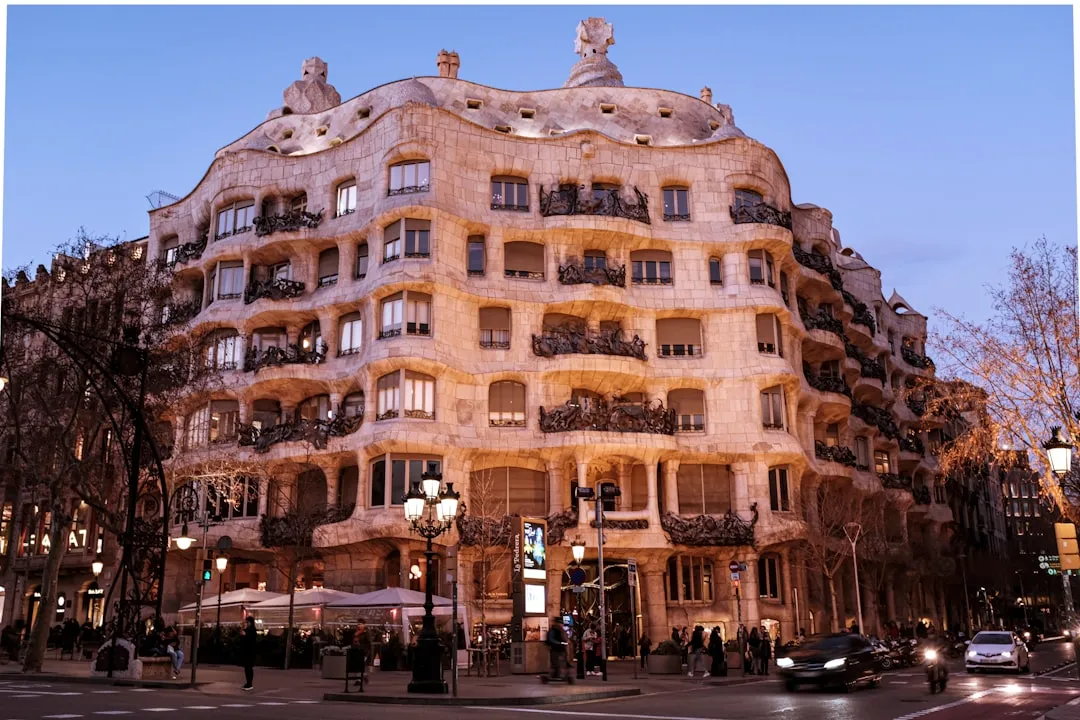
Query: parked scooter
[906,653]
[937,672]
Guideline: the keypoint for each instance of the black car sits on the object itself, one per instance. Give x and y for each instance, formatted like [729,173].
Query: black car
[843,660]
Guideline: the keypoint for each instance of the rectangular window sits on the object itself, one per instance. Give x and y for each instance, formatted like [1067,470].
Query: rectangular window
[832,435]
[772,408]
[862,453]
[346,198]
[651,272]
[389,395]
[716,272]
[762,271]
[769,335]
[778,489]
[495,328]
[676,204]
[410,178]
[361,261]
[690,579]
[509,194]
[196,428]
[769,578]
[419,395]
[391,316]
[352,334]
[417,239]
[378,483]
[881,462]
[235,219]
[476,255]
[230,279]
[224,418]
[418,316]
[392,243]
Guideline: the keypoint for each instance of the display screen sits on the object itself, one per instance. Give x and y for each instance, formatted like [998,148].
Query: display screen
[534,550]
[535,599]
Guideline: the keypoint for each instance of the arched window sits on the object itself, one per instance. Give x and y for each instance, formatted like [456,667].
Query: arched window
[223,351]
[506,404]
[316,407]
[411,176]
[346,198]
[328,267]
[716,271]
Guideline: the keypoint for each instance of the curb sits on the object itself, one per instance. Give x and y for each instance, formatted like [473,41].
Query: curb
[481,702]
[82,680]
[738,681]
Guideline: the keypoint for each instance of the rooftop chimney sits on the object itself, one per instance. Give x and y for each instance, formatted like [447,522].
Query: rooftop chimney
[448,63]
[706,94]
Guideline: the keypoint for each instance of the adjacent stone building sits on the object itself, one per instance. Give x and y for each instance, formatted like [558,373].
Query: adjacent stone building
[529,291]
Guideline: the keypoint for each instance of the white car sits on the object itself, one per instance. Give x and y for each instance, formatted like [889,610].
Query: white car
[996,650]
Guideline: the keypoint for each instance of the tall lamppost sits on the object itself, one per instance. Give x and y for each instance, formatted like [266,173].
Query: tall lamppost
[853,530]
[188,508]
[577,547]
[222,563]
[431,511]
[1059,453]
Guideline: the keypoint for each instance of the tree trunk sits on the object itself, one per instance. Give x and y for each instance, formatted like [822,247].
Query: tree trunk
[292,599]
[39,635]
[9,579]
[834,623]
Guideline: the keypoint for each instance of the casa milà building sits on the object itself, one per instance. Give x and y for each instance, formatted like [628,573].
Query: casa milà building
[543,289]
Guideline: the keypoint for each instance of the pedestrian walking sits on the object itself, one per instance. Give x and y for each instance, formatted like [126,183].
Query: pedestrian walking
[645,646]
[247,653]
[697,647]
[717,654]
[753,650]
[556,642]
[589,642]
[765,652]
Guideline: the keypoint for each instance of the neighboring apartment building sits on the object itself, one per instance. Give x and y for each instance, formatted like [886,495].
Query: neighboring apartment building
[532,291]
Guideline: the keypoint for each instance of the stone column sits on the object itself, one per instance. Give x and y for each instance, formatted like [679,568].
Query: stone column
[557,500]
[671,486]
[808,431]
[787,592]
[653,504]
[749,593]
[583,507]
[625,500]
[654,613]
[208,290]
[329,330]
[347,262]
[554,592]
[741,482]
[333,475]
[735,273]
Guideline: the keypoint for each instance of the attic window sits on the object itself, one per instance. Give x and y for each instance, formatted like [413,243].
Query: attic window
[363,113]
[714,124]
[607,108]
[643,139]
[553,132]
[473,103]
[320,131]
[527,113]
[335,142]
[286,110]
[286,134]
[665,112]
[504,129]
[273,149]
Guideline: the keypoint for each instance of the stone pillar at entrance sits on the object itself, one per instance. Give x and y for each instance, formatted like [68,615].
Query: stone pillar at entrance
[748,594]
[655,610]
[583,508]
[554,592]
[556,490]
[671,486]
[653,504]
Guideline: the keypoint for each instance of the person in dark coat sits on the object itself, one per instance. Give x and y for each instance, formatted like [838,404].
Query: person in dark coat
[247,653]
[766,652]
[645,645]
[718,667]
[753,651]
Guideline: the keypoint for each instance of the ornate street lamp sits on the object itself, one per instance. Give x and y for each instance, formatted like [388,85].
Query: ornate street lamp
[1058,452]
[185,541]
[96,567]
[431,511]
[577,547]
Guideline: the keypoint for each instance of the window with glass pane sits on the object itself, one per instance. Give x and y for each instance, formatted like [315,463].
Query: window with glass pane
[417,238]
[832,435]
[678,337]
[388,387]
[197,427]
[311,337]
[419,395]
[266,413]
[509,193]
[352,334]
[417,314]
[314,408]
[392,309]
[778,489]
[392,242]
[769,577]
[170,248]
[506,404]
[881,462]
[703,489]
[298,203]
[361,261]
[224,417]
[476,255]
[223,352]
[353,405]
[410,177]
[280,271]
[378,483]
[650,267]
[772,408]
[346,198]
[595,260]
[495,328]
[830,369]
[230,278]
[747,199]
[523,260]
[689,407]
[769,335]
[716,272]
[676,204]
[328,267]
[761,268]
[862,453]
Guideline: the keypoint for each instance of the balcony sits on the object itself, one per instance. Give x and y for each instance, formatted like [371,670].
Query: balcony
[834,453]
[863,316]
[179,313]
[578,342]
[912,444]
[679,350]
[916,405]
[710,530]
[760,213]
[892,481]
[275,356]
[572,200]
[315,432]
[822,321]
[868,368]
[826,383]
[878,417]
[922,495]
[286,222]
[276,289]
[295,529]
[578,274]
[818,263]
[524,274]
[189,251]
[914,359]
[609,416]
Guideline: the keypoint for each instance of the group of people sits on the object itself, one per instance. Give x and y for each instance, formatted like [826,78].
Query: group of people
[70,637]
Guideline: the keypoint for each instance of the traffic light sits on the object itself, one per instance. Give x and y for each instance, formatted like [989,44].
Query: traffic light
[207,570]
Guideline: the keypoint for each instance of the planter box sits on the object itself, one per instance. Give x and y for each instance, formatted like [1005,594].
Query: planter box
[665,664]
[734,662]
[333,667]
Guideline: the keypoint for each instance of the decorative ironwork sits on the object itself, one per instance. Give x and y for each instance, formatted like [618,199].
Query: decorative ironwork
[295,529]
[286,222]
[916,405]
[569,199]
[570,341]
[190,251]
[408,190]
[914,359]
[419,414]
[503,422]
[862,316]
[275,356]
[892,481]
[472,531]
[710,530]
[388,415]
[180,313]
[818,263]
[676,217]
[868,367]
[574,273]
[392,332]
[878,417]
[276,289]
[922,495]
[509,206]
[315,432]
[834,453]
[760,213]
[609,524]
[912,443]
[826,383]
[822,321]
[607,415]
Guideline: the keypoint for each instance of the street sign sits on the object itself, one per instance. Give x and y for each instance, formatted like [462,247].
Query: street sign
[577,576]
[735,576]
[631,570]
[733,566]
[742,567]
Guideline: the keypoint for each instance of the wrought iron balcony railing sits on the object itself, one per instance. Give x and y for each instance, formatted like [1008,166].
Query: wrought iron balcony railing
[922,495]
[710,530]
[571,200]
[408,189]
[916,405]
[577,274]
[912,443]
[834,453]
[189,251]
[286,222]
[275,356]
[679,350]
[818,263]
[862,316]
[914,359]
[573,341]
[276,289]
[179,313]
[610,416]
[495,339]
[892,481]
[868,367]
[316,432]
[760,213]
[826,383]
[821,321]
[878,417]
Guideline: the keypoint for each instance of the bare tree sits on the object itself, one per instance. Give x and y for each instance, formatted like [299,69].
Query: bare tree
[829,507]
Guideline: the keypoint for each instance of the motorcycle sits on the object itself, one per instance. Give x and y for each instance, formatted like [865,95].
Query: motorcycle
[906,654]
[937,672]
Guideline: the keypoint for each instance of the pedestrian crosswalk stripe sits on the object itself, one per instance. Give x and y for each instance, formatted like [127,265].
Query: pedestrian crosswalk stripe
[24,696]
[112,712]
[236,705]
[305,702]
[271,703]
[200,707]
[142,689]
[160,709]
[105,692]
[61,717]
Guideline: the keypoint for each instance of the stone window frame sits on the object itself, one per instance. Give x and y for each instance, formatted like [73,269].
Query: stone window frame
[671,212]
[493,341]
[399,321]
[767,269]
[862,452]
[471,242]
[329,278]
[691,426]
[671,350]
[363,259]
[423,168]
[704,582]
[507,417]
[346,200]
[773,410]
[409,474]
[350,325]
[780,488]
[776,347]
[523,274]
[231,214]
[639,274]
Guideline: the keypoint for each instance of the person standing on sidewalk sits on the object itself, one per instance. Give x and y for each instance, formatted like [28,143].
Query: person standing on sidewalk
[753,651]
[247,653]
[766,651]
[697,645]
[556,642]
[718,666]
[645,645]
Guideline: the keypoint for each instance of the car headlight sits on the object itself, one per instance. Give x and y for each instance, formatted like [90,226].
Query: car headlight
[784,662]
[1068,633]
[972,653]
[833,664]
[1027,636]
[930,654]
[1007,654]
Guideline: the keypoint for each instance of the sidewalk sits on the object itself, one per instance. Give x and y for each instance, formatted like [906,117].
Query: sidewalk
[1068,711]
[392,687]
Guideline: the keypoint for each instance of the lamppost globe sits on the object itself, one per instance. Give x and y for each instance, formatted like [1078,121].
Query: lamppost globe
[185,541]
[1058,453]
[221,562]
[448,503]
[96,567]
[430,483]
[414,504]
[577,547]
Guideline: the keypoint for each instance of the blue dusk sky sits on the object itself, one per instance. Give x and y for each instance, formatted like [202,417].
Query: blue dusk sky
[938,136]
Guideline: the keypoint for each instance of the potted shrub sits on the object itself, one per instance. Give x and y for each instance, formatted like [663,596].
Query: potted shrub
[333,662]
[666,659]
